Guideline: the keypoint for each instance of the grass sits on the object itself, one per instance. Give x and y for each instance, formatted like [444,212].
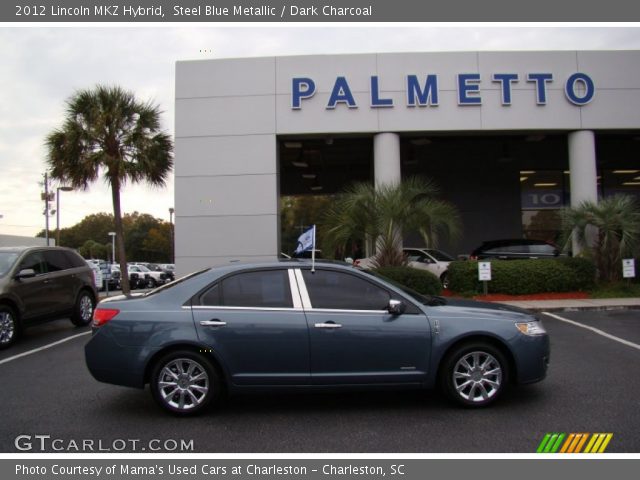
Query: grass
[617,290]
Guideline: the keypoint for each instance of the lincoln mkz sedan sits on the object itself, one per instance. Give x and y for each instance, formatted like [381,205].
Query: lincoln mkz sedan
[280,325]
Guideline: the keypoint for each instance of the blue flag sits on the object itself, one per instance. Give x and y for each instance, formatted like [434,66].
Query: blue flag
[306,241]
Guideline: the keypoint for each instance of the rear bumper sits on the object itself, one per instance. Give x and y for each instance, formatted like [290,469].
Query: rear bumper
[110,362]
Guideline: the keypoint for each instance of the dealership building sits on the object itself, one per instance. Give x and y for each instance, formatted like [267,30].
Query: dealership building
[510,138]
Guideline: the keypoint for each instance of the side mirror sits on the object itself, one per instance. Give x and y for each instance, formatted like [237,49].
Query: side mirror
[26,273]
[396,307]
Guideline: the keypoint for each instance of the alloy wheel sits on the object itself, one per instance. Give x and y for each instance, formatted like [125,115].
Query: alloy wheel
[183,384]
[7,328]
[477,376]
[86,308]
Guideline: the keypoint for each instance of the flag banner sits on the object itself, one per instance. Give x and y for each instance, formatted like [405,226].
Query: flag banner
[306,241]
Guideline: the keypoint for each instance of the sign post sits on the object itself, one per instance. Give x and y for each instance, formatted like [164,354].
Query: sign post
[628,268]
[484,275]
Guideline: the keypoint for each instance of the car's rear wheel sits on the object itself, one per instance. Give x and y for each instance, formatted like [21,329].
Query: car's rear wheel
[83,310]
[444,279]
[474,374]
[9,327]
[184,382]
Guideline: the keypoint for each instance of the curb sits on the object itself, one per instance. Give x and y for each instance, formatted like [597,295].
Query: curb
[594,308]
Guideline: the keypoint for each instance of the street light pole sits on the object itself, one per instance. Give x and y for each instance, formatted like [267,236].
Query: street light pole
[113,246]
[46,207]
[171,246]
[58,190]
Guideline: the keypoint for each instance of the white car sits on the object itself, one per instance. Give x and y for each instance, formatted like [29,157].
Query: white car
[430,259]
[151,278]
[98,281]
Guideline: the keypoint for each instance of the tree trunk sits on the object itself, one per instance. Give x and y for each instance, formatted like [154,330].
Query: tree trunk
[117,216]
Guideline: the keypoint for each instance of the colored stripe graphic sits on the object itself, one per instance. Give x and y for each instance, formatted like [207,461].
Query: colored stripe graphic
[574,443]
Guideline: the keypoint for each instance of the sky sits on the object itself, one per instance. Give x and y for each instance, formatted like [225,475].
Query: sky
[43,66]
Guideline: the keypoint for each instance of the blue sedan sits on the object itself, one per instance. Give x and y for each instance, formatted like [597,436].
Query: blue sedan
[280,325]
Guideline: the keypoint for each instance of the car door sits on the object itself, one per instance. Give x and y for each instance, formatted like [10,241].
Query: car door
[34,292]
[254,322]
[63,283]
[353,337]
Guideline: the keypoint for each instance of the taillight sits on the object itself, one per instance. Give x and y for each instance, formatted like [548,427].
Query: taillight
[103,315]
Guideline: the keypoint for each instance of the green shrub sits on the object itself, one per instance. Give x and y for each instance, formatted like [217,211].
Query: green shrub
[419,280]
[521,277]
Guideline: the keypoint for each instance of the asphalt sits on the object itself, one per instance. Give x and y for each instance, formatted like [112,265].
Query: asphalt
[601,304]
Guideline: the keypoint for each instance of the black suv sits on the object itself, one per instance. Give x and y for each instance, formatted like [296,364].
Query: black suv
[513,249]
[43,283]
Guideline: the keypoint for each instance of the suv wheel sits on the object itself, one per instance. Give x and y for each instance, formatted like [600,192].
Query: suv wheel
[9,327]
[151,283]
[184,382]
[83,310]
[474,374]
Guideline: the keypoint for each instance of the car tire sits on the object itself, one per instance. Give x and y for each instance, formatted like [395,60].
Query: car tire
[184,383]
[83,309]
[474,374]
[151,283]
[9,327]
[444,280]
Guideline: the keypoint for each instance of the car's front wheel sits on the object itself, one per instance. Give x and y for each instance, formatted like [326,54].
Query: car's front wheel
[151,283]
[474,374]
[83,309]
[184,382]
[9,327]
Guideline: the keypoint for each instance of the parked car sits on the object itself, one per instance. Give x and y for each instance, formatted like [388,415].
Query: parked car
[430,259]
[146,277]
[43,283]
[514,249]
[163,268]
[98,280]
[278,325]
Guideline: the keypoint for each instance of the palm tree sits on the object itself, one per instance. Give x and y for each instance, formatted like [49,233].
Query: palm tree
[607,231]
[379,216]
[108,133]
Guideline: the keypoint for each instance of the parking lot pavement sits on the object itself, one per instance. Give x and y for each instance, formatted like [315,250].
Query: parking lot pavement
[592,387]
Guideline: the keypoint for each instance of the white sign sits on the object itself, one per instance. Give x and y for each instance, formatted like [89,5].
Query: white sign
[628,268]
[484,271]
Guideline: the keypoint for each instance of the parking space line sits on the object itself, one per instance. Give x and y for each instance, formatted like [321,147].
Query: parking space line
[45,347]
[595,330]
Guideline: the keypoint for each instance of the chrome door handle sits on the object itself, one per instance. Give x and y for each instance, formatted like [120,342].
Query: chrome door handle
[213,323]
[328,325]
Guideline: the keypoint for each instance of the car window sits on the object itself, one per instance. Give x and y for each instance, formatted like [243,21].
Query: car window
[262,289]
[34,261]
[74,259]
[7,259]
[343,291]
[56,261]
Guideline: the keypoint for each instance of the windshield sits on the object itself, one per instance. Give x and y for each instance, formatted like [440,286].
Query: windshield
[440,256]
[429,300]
[7,260]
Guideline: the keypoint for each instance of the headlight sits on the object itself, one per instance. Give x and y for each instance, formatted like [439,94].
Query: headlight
[531,328]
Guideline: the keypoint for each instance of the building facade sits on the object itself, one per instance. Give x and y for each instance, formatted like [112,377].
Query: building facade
[510,137]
